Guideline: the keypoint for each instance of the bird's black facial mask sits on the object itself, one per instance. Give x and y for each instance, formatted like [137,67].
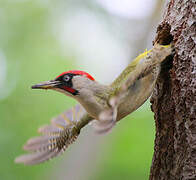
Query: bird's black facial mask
[66,83]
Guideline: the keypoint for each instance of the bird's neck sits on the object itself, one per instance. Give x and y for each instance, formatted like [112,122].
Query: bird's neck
[94,98]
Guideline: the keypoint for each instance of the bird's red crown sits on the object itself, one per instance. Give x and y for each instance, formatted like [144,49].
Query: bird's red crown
[77,72]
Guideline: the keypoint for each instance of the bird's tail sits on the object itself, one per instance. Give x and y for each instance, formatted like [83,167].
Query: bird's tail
[56,137]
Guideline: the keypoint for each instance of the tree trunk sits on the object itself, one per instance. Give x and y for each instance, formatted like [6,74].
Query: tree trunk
[174,98]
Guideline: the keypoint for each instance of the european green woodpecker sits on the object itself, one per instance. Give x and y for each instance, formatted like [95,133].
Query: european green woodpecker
[105,104]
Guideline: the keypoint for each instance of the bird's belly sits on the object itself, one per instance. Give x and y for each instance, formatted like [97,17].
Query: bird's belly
[130,105]
[135,97]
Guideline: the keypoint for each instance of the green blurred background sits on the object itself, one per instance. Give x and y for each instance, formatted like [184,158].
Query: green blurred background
[40,39]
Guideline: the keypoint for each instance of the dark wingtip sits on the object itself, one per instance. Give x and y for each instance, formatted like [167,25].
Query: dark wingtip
[34,87]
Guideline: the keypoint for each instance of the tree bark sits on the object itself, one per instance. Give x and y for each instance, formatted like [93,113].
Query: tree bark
[174,98]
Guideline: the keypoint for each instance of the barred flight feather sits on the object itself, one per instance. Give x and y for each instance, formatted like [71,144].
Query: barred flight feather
[55,138]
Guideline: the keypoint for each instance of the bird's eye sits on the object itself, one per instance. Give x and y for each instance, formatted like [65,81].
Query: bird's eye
[66,78]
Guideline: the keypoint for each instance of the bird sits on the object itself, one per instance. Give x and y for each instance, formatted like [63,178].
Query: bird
[102,104]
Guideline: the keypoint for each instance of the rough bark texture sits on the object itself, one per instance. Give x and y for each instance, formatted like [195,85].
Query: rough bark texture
[174,98]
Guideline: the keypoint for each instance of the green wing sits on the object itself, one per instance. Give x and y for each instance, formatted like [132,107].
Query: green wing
[144,64]
[56,137]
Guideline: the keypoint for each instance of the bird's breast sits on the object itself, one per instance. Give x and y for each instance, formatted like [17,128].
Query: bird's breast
[94,105]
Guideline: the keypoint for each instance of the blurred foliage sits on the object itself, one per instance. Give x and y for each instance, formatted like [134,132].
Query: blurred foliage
[32,55]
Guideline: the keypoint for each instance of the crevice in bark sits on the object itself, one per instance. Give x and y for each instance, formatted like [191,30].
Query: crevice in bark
[164,37]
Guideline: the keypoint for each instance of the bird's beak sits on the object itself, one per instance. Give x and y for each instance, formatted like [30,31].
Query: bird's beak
[47,85]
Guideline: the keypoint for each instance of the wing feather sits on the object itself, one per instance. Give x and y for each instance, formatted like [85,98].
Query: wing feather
[56,137]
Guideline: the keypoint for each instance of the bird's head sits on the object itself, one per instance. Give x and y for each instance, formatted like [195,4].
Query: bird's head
[70,83]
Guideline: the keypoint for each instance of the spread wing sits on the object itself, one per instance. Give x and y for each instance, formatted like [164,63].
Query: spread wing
[137,80]
[56,137]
